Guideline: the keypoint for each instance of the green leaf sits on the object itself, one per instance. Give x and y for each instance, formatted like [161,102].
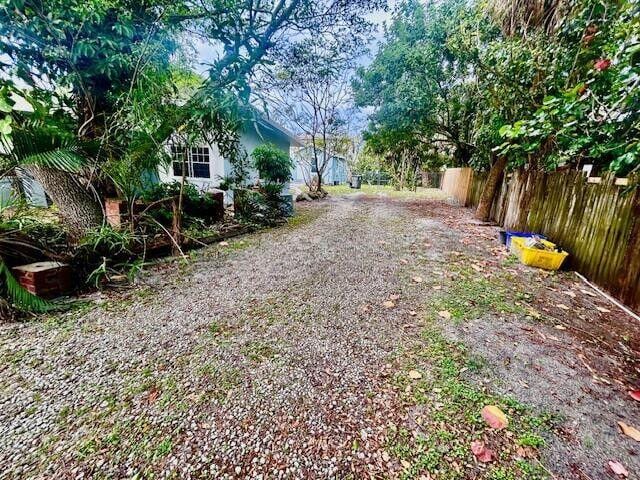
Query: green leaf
[20,297]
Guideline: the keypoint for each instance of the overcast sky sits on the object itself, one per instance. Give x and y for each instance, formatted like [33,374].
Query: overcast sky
[207,54]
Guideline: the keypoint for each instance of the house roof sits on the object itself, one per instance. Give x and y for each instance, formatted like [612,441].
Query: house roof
[269,125]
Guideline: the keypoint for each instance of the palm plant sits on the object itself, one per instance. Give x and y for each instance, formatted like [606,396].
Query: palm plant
[517,17]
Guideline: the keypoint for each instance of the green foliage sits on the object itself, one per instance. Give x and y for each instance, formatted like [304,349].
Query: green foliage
[272,163]
[196,205]
[560,88]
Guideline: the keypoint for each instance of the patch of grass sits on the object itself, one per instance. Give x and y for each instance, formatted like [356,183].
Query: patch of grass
[164,448]
[449,417]
[258,351]
[472,296]
[303,217]
[339,190]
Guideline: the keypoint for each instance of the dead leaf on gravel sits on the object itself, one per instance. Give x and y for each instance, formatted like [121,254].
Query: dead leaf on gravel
[482,453]
[153,395]
[413,313]
[560,327]
[618,469]
[603,310]
[415,375]
[389,304]
[563,306]
[417,279]
[404,261]
[445,314]
[525,452]
[437,287]
[224,244]
[635,394]
[570,294]
[630,431]
[476,267]
[494,417]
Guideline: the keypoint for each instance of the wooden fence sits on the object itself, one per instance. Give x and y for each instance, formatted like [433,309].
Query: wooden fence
[597,222]
[456,183]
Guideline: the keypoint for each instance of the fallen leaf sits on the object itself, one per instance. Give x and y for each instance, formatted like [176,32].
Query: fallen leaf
[525,452]
[417,279]
[630,431]
[437,287]
[404,261]
[224,244]
[476,267]
[603,310]
[389,304]
[635,394]
[444,314]
[494,417]
[413,313]
[563,306]
[415,375]
[560,327]
[405,464]
[482,453]
[153,395]
[570,294]
[618,469]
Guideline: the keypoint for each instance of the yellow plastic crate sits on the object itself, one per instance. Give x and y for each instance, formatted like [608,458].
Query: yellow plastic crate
[538,258]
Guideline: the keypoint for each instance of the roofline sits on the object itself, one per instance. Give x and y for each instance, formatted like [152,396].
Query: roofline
[294,141]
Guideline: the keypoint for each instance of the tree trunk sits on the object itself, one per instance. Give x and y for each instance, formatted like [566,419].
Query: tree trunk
[490,189]
[79,210]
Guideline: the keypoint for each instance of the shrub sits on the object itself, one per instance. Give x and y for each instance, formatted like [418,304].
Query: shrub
[273,164]
[196,205]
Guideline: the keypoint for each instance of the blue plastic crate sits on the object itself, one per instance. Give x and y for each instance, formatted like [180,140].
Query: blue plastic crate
[509,235]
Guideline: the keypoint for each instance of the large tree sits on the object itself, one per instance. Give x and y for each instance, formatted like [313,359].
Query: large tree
[419,86]
[91,59]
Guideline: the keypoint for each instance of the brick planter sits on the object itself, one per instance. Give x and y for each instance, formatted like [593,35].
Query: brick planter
[45,279]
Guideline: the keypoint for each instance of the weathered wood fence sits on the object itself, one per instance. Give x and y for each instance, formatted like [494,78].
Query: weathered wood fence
[597,223]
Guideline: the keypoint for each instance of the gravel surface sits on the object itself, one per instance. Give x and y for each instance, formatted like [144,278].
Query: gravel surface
[271,357]
[264,358]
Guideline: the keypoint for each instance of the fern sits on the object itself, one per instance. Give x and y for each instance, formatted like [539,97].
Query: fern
[19,296]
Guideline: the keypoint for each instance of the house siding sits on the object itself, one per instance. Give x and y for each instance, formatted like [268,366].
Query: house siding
[255,134]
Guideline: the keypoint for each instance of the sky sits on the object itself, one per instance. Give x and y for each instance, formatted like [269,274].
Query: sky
[206,54]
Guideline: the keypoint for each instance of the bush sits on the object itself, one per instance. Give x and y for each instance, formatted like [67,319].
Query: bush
[196,205]
[273,164]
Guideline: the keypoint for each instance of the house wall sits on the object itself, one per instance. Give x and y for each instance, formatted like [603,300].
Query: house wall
[335,171]
[220,167]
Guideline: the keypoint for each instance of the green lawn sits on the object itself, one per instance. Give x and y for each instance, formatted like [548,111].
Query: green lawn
[386,191]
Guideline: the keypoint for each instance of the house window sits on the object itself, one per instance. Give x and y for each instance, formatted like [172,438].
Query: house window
[196,160]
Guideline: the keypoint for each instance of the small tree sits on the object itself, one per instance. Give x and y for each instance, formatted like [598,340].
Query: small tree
[273,164]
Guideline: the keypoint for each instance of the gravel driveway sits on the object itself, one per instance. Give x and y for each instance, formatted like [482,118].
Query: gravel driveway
[271,357]
[260,357]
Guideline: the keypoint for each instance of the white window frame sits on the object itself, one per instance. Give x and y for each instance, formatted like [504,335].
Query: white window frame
[195,155]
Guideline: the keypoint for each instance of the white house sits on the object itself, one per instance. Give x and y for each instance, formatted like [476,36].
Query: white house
[335,172]
[206,167]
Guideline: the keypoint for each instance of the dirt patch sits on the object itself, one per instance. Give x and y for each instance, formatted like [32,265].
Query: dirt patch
[570,352]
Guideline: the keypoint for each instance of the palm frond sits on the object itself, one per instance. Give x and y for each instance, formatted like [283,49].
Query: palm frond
[61,159]
[517,17]
[43,147]
[19,296]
